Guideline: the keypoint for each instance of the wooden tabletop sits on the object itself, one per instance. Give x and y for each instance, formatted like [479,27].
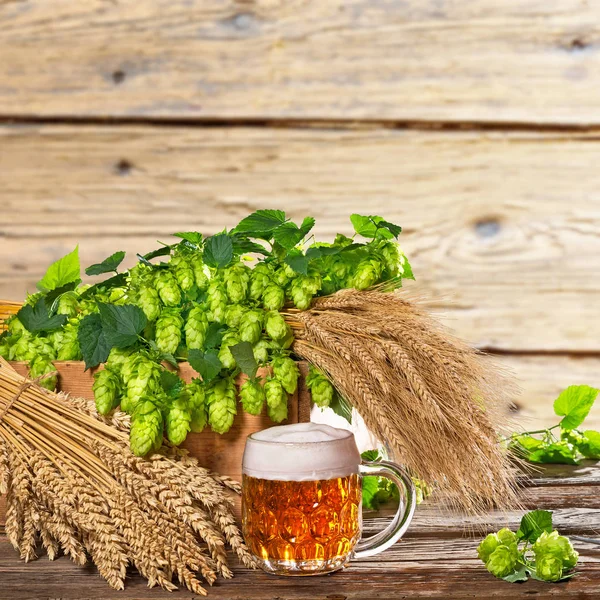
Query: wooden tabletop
[436,559]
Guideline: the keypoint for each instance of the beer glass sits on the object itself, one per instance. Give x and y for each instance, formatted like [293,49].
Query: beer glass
[301,499]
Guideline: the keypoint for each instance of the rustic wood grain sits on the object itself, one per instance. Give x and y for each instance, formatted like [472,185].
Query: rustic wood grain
[503,229]
[492,61]
[436,559]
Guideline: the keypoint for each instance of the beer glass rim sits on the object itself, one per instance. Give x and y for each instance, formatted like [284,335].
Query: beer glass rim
[254,440]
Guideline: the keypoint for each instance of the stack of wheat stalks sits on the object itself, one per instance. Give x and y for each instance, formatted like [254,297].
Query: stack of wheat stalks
[436,402]
[72,483]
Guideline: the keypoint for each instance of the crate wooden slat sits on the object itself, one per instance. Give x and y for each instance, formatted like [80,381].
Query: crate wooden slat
[509,61]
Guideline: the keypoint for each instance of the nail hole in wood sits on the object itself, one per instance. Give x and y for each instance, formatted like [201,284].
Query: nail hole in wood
[118,77]
[123,167]
[577,44]
[487,228]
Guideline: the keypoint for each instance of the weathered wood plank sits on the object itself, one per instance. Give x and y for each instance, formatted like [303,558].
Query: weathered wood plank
[503,230]
[403,60]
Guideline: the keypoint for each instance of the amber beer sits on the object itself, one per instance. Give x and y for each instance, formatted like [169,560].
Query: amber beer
[301,499]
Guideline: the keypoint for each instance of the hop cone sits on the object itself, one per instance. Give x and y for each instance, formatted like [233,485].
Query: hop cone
[195,328]
[261,350]
[117,358]
[69,345]
[68,304]
[390,252]
[168,330]
[149,301]
[234,314]
[106,391]
[184,273]
[146,430]
[252,396]
[273,297]
[197,403]
[217,301]
[222,408]
[40,366]
[258,283]
[339,268]
[15,327]
[237,280]
[200,274]
[43,347]
[549,567]
[320,388]
[178,421]
[557,546]
[4,348]
[300,295]
[367,273]
[286,371]
[283,275]
[275,326]
[225,356]
[503,560]
[145,373]
[276,400]
[167,287]
[22,349]
[251,326]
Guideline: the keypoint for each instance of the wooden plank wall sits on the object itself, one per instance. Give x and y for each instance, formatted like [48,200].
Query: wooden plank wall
[474,125]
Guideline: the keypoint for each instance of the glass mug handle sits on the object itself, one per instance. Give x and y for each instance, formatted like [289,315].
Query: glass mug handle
[397,528]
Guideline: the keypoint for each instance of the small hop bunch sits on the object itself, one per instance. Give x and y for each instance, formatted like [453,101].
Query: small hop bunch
[276,398]
[252,396]
[320,387]
[106,389]
[196,393]
[178,421]
[237,282]
[167,287]
[286,371]
[553,554]
[221,402]
[251,326]
[168,330]
[146,431]
[196,326]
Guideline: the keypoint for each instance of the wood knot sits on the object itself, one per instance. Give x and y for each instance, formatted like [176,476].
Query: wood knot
[487,228]
[118,77]
[123,167]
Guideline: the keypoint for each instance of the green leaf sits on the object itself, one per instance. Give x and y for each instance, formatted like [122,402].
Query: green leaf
[171,384]
[94,347]
[162,251]
[559,453]
[36,318]
[407,272]
[111,282]
[261,222]
[298,262]
[590,446]
[244,357]
[519,575]
[207,364]
[307,224]
[107,265]
[367,226]
[51,298]
[341,407]
[121,324]
[64,270]
[288,235]
[242,245]
[574,404]
[190,236]
[528,442]
[370,455]
[218,250]
[370,487]
[214,335]
[533,524]
[395,230]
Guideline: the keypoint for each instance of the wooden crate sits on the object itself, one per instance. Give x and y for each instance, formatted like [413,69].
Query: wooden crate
[221,453]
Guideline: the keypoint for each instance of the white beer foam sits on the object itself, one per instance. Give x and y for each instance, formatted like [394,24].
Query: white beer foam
[301,452]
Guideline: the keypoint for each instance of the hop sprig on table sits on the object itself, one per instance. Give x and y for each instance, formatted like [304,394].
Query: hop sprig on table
[536,550]
[199,301]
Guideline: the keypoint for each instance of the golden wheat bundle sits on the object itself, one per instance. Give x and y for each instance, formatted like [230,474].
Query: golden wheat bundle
[73,484]
[432,399]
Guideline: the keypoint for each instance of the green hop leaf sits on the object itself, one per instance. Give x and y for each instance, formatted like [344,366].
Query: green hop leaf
[205,363]
[244,358]
[190,236]
[121,324]
[65,270]
[503,560]
[218,251]
[574,404]
[92,341]
[178,422]
[106,389]
[261,223]
[533,524]
[37,318]
[589,445]
[561,453]
[252,396]
[107,265]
